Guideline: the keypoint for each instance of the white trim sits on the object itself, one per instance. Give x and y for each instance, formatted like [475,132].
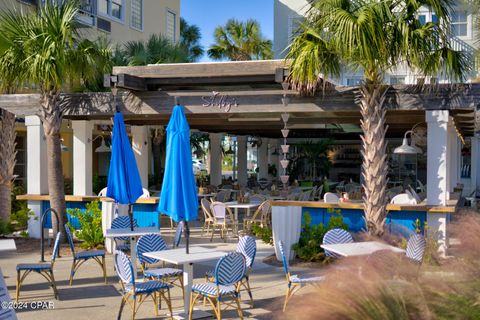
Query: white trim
[142,16]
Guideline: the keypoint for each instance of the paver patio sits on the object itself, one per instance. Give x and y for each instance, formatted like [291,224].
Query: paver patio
[89,298]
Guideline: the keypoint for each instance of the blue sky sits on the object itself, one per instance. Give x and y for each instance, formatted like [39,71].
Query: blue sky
[208,14]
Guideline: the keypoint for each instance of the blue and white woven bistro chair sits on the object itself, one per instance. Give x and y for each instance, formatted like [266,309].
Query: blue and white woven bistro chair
[122,222]
[80,257]
[416,247]
[295,282]
[248,247]
[136,292]
[228,273]
[44,269]
[155,242]
[335,236]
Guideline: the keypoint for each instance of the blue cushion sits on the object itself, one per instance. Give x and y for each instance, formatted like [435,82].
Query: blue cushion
[34,266]
[162,272]
[210,288]
[90,254]
[148,286]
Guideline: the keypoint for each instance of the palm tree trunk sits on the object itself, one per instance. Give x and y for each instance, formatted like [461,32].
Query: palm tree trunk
[7,162]
[374,166]
[52,121]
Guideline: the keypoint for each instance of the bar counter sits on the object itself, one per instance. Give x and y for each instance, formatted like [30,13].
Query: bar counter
[287,218]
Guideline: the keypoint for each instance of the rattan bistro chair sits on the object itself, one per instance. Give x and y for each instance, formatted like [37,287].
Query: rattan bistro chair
[335,236]
[80,257]
[229,271]
[223,219]
[207,214]
[122,222]
[135,293]
[248,247]
[295,282]
[260,217]
[43,269]
[155,242]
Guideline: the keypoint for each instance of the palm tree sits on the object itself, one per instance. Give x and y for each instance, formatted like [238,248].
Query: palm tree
[10,76]
[52,53]
[373,37]
[157,49]
[190,40]
[239,41]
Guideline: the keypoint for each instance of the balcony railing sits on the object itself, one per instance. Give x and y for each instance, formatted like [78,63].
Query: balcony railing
[469,51]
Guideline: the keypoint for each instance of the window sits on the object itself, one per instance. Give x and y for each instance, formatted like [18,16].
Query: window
[355,81]
[459,23]
[136,14]
[422,19]
[394,80]
[171,25]
[294,24]
[111,8]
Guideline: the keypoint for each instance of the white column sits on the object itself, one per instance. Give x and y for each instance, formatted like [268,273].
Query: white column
[475,161]
[37,182]
[437,157]
[242,160]
[262,156]
[215,165]
[82,157]
[140,143]
[453,155]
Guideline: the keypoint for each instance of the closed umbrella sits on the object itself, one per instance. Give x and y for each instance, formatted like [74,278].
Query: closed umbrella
[124,183]
[179,198]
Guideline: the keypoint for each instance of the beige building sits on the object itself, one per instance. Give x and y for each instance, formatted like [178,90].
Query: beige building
[121,20]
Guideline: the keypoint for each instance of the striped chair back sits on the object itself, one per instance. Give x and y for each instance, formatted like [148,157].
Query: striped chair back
[284,259]
[56,246]
[147,243]
[416,247]
[248,247]
[123,222]
[221,196]
[178,234]
[70,239]
[230,269]
[124,268]
[335,236]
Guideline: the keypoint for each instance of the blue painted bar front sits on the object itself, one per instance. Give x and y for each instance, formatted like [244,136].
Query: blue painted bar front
[146,214]
[399,222]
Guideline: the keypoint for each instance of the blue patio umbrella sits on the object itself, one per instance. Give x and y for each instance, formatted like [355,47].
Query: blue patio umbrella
[124,183]
[179,198]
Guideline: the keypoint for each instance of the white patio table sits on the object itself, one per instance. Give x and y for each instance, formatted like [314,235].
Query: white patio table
[7,245]
[133,235]
[359,248]
[247,206]
[180,257]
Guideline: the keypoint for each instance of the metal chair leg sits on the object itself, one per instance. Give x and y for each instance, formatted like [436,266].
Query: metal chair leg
[19,284]
[239,309]
[122,304]
[72,272]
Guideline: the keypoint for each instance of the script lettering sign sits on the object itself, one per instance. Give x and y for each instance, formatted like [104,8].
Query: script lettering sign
[216,99]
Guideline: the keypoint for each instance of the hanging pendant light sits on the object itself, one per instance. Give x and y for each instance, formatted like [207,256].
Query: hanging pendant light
[405,148]
[103,147]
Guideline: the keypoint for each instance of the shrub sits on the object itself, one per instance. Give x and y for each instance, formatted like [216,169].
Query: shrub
[5,228]
[20,211]
[90,221]
[308,246]
[264,233]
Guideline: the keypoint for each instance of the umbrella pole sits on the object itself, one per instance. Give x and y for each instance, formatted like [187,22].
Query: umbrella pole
[187,236]
[130,215]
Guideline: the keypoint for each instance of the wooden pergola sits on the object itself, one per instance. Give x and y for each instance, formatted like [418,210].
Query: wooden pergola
[248,101]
